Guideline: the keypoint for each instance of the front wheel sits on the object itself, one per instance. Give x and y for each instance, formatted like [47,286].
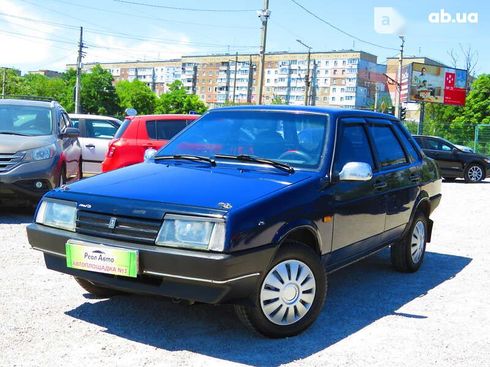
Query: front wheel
[290,295]
[408,254]
[474,173]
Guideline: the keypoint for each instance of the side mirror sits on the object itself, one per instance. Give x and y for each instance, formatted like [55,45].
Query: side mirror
[149,154]
[356,171]
[70,132]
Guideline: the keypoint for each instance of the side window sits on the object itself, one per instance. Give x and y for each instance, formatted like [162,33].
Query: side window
[100,129]
[389,150]
[436,144]
[412,153]
[164,129]
[353,147]
[62,121]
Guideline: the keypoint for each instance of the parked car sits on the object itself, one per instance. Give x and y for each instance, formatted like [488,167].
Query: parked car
[95,134]
[39,149]
[253,206]
[140,134]
[452,161]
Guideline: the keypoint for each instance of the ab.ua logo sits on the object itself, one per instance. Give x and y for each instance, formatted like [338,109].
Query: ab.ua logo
[442,17]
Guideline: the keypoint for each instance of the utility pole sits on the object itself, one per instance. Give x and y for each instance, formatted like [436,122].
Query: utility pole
[234,79]
[399,85]
[264,15]
[3,81]
[81,54]
[420,129]
[250,80]
[307,76]
[375,97]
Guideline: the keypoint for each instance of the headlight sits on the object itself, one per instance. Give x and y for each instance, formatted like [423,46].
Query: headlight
[39,154]
[487,160]
[58,214]
[192,232]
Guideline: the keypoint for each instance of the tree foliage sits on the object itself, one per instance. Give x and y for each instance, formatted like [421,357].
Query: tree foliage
[176,100]
[98,94]
[137,95]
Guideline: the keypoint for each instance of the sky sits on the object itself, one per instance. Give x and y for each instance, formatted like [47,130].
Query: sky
[43,34]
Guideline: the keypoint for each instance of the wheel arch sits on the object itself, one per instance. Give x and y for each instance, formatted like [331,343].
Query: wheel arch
[305,232]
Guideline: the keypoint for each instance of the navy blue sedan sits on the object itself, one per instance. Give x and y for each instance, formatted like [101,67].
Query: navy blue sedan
[251,205]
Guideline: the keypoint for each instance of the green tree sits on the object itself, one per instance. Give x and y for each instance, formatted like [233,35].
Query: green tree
[439,118]
[277,100]
[136,94]
[14,83]
[176,100]
[476,111]
[98,94]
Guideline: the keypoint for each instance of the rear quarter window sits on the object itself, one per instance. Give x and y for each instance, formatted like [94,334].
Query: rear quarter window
[409,147]
[164,129]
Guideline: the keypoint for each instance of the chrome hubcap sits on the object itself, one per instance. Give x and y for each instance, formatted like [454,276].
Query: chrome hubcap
[475,173]
[287,292]
[418,242]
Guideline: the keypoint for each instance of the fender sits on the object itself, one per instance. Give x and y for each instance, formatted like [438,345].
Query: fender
[421,199]
[288,228]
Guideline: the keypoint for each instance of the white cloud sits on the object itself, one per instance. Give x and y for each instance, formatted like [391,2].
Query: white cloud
[23,42]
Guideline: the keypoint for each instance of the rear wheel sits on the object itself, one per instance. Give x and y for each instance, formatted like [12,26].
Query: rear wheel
[97,290]
[290,295]
[407,255]
[474,173]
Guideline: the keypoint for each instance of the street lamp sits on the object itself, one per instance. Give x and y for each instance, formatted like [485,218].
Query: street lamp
[307,77]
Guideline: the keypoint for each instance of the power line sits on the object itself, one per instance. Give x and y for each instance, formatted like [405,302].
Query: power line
[126,35]
[339,29]
[154,18]
[187,9]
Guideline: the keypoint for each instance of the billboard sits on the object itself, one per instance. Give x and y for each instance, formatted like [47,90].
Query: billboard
[437,84]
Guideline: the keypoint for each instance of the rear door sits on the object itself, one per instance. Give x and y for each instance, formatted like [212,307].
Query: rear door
[447,158]
[156,133]
[71,147]
[95,141]
[400,167]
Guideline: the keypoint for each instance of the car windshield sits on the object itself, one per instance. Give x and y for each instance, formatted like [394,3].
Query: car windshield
[296,139]
[25,120]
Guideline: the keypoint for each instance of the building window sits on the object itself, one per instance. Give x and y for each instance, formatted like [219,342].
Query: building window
[342,90]
[335,72]
[333,99]
[334,90]
[343,71]
[335,63]
[343,62]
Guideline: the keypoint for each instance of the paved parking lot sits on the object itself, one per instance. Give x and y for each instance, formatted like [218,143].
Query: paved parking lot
[373,315]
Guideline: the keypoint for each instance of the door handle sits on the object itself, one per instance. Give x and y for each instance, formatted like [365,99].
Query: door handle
[90,146]
[414,178]
[378,185]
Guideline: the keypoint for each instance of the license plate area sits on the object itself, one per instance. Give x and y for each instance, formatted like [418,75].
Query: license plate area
[101,259]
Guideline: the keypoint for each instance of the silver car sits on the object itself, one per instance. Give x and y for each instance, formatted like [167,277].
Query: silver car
[39,149]
[95,134]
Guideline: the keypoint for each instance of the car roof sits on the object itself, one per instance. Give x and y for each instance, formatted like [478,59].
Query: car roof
[29,102]
[89,116]
[168,116]
[336,111]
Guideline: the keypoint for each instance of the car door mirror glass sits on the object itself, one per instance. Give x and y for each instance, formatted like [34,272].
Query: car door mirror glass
[356,171]
[70,132]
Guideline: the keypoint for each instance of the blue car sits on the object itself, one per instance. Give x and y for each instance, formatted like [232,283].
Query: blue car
[251,205]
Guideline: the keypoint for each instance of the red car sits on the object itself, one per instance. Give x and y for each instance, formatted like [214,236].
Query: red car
[137,134]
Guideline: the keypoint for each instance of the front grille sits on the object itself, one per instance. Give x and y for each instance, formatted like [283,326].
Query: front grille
[125,229]
[9,161]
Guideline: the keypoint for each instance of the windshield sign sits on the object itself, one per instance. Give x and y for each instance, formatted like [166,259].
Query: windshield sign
[25,120]
[297,140]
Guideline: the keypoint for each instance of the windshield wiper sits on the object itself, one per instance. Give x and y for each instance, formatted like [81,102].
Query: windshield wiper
[11,133]
[249,158]
[195,158]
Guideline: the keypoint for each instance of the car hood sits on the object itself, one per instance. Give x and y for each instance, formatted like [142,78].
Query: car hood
[17,143]
[189,184]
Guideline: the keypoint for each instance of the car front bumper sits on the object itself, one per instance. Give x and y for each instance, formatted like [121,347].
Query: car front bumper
[177,273]
[19,183]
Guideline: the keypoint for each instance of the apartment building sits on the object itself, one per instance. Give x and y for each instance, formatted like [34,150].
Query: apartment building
[348,79]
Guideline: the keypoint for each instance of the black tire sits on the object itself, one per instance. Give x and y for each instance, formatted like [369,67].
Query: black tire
[294,253]
[403,257]
[97,290]
[474,172]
